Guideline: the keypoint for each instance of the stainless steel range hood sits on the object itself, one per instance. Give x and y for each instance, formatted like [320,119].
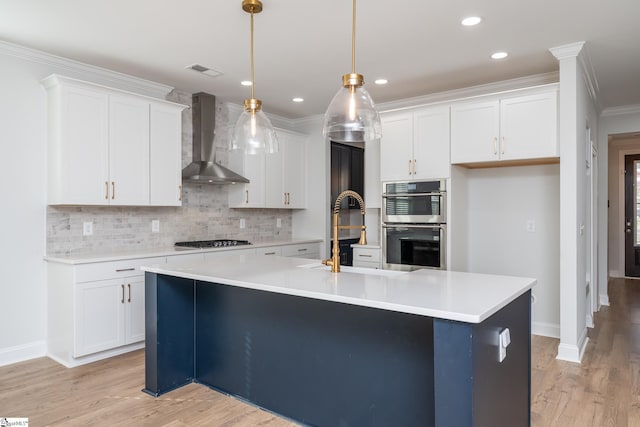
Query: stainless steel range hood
[204,169]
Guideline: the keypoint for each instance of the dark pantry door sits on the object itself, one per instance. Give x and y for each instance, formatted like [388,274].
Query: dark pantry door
[632,215]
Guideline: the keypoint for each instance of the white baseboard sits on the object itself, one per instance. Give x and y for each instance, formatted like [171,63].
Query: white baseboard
[78,361]
[545,329]
[615,273]
[20,353]
[604,300]
[573,353]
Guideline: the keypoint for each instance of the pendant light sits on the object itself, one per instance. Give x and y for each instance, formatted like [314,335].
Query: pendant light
[351,115]
[253,132]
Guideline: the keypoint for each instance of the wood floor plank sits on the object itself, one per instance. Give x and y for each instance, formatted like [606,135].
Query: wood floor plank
[604,390]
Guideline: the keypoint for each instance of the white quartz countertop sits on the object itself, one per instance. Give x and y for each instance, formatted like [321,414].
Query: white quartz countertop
[118,255]
[465,297]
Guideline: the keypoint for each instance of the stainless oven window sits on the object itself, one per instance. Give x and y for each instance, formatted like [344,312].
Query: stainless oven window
[414,246]
[414,205]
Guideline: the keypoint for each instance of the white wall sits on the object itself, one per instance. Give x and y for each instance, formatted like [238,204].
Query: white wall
[500,203]
[22,217]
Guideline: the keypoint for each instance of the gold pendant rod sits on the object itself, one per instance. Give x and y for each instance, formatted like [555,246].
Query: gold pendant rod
[253,83]
[353,39]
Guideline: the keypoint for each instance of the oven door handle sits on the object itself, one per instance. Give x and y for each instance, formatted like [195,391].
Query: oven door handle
[438,193]
[396,225]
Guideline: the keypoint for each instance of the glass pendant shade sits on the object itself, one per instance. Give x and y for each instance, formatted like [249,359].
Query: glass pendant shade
[352,116]
[254,134]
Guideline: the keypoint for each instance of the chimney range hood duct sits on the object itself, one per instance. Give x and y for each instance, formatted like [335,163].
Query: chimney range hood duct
[204,169]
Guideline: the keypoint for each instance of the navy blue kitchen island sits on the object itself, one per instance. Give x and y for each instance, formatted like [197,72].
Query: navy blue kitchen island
[343,349]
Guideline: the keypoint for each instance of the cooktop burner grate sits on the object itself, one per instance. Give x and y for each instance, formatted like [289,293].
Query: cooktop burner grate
[218,243]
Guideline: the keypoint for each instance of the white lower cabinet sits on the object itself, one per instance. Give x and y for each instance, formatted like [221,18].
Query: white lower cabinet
[275,250]
[95,310]
[302,250]
[366,257]
[227,253]
[109,314]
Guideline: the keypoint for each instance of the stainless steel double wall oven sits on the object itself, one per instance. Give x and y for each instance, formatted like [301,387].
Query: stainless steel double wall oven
[414,225]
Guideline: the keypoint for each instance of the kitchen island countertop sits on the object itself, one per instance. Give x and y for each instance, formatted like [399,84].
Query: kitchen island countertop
[465,297]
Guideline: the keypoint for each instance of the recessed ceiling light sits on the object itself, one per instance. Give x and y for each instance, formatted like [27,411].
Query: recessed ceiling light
[381,81]
[471,21]
[297,99]
[499,55]
[204,70]
[246,83]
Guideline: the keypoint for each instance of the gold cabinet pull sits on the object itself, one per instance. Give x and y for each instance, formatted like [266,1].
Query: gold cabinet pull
[113,190]
[495,145]
[502,145]
[122,300]
[247,196]
[285,198]
[409,166]
[415,166]
[129,286]
[180,192]
[288,198]
[106,190]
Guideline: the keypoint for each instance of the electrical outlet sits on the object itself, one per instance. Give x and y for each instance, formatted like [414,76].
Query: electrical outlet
[155,226]
[243,223]
[279,222]
[87,229]
[531,226]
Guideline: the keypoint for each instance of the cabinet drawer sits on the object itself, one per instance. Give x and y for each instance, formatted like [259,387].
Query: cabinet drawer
[275,250]
[304,250]
[113,269]
[366,254]
[366,264]
[226,253]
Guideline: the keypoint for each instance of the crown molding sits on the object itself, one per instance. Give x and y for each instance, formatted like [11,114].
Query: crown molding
[503,86]
[620,111]
[95,74]
[567,51]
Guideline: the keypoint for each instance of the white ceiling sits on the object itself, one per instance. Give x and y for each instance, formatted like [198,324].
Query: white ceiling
[303,48]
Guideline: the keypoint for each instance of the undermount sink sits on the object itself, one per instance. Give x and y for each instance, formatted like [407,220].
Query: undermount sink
[358,270]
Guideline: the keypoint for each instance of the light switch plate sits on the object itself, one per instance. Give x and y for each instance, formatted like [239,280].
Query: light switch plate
[87,228]
[155,226]
[243,223]
[504,339]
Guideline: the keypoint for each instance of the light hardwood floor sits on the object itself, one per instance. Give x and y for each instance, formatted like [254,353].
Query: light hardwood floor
[602,391]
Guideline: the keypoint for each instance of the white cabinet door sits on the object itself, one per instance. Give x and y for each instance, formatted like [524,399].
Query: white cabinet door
[252,167]
[372,186]
[431,143]
[165,151]
[223,254]
[78,147]
[475,132]
[275,196]
[529,127]
[128,150]
[396,146]
[99,316]
[134,310]
[294,172]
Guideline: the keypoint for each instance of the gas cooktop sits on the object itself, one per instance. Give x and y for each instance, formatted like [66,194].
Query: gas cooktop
[218,243]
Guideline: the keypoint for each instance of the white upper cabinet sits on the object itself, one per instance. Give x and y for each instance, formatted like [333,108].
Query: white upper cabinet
[128,150]
[78,152]
[104,144]
[396,146]
[165,145]
[252,167]
[431,143]
[516,128]
[277,180]
[415,144]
